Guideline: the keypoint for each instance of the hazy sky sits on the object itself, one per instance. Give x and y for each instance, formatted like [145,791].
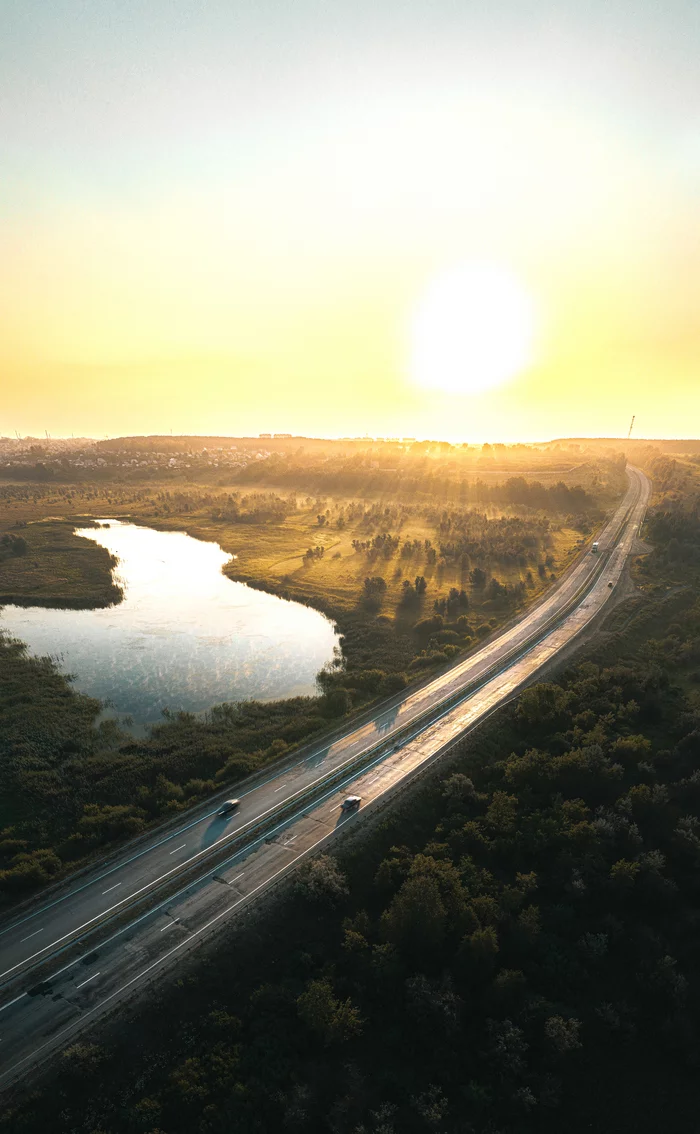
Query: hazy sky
[221,216]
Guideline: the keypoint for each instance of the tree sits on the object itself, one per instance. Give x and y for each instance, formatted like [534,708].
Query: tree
[408,593]
[562,1034]
[623,873]
[459,791]
[496,590]
[416,919]
[322,880]
[482,946]
[374,591]
[393,683]
[433,1003]
[334,1020]
[336,703]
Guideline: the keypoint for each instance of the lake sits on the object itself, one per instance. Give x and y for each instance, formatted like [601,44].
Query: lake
[184,637]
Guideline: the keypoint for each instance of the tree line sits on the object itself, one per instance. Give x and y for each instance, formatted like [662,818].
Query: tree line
[519,928]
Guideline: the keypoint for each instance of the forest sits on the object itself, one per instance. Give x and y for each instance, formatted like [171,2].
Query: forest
[521,925]
[410,586]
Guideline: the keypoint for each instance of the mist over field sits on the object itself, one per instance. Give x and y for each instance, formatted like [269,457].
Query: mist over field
[349,567]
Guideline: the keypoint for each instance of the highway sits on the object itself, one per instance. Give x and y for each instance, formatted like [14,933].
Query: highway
[67,959]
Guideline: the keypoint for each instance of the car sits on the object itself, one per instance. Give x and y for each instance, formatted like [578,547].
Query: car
[229,806]
[352,802]
[610,585]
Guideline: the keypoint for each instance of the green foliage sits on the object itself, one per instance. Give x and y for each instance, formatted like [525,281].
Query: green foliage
[321,881]
[335,1021]
[65,778]
[49,565]
[503,939]
[493,947]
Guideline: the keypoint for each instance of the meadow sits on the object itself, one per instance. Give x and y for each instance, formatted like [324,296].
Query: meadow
[411,580]
[44,563]
[522,924]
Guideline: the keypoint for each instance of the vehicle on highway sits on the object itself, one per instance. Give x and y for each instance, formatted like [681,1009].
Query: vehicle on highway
[37,1022]
[610,585]
[595,547]
[229,806]
[351,803]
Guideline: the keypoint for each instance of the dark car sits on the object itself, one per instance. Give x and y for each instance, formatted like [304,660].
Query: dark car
[229,806]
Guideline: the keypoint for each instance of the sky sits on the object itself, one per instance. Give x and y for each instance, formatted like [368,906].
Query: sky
[235,216]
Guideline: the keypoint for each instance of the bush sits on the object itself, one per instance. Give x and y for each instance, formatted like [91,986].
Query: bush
[428,626]
[322,880]
[336,704]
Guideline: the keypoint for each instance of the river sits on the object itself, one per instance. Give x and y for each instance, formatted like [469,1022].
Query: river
[184,637]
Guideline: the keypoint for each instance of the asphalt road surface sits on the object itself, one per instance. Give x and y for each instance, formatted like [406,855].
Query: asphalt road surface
[74,955]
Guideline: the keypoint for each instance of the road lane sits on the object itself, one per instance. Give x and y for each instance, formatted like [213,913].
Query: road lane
[76,995]
[113,889]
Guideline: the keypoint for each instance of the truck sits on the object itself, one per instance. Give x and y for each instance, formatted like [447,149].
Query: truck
[594,549]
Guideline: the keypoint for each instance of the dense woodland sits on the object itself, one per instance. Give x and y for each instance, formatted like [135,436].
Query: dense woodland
[520,927]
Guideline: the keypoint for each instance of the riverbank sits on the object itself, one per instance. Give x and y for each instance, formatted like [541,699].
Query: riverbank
[46,564]
[410,588]
[520,925]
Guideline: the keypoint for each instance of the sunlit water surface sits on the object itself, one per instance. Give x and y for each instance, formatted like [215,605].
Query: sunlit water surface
[185,636]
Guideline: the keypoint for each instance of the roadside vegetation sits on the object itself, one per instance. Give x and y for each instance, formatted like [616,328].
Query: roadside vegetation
[411,585]
[520,928]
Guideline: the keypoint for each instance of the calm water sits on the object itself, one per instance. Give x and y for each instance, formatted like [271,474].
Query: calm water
[185,636]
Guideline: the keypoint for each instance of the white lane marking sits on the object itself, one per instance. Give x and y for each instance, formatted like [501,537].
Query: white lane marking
[140,854]
[93,977]
[473,662]
[184,942]
[457,673]
[32,934]
[111,888]
[178,848]
[11,1002]
[191,885]
[280,788]
[170,925]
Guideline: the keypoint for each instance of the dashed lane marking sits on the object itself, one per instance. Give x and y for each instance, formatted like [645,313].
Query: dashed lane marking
[93,977]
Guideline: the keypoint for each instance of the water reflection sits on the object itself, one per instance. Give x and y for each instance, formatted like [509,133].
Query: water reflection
[185,636]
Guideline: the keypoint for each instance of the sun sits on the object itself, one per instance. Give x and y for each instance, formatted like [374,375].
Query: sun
[472,329]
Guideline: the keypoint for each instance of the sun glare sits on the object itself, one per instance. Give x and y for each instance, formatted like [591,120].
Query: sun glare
[472,329]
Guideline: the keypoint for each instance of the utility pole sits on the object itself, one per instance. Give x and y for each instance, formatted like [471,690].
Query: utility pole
[631,425]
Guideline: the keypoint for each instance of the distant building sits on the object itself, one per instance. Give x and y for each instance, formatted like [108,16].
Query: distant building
[269,435]
[278,434]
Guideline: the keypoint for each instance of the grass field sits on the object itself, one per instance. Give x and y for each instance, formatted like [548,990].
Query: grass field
[274,555]
[59,762]
[57,568]
[62,569]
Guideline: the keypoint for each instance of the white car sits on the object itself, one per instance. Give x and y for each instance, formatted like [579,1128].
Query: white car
[351,803]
